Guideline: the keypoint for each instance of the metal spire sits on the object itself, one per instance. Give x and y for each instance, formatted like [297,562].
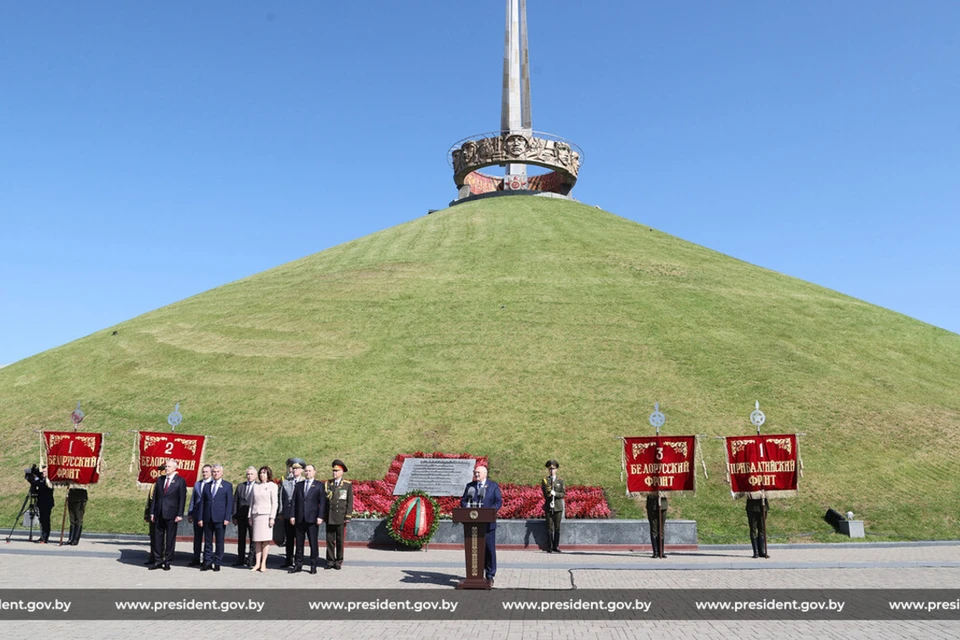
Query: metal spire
[515,112]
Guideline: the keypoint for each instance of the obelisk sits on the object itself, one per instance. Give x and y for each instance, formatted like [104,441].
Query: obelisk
[515,113]
[516,145]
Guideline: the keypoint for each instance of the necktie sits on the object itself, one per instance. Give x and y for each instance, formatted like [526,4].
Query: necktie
[216,485]
[309,482]
[166,485]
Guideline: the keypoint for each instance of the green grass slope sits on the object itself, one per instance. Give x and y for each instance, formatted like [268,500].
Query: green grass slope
[523,329]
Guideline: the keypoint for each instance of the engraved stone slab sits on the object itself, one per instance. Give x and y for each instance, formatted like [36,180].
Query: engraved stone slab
[435,476]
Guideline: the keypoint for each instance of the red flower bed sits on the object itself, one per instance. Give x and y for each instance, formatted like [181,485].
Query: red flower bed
[374,498]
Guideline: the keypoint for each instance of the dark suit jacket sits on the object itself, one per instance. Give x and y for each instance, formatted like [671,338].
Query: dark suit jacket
[194,511]
[168,505]
[306,506]
[43,492]
[216,508]
[492,497]
[242,497]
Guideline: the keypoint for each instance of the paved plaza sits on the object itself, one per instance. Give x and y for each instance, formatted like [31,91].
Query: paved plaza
[104,562]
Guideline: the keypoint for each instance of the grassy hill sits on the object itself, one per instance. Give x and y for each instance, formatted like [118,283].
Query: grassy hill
[523,329]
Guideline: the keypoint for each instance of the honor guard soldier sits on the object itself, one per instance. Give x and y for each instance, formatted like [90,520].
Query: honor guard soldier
[338,507]
[76,506]
[657,517]
[757,519]
[553,494]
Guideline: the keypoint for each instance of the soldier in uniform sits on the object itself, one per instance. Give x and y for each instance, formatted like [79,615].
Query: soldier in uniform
[657,514]
[294,475]
[553,494]
[336,506]
[757,519]
[76,506]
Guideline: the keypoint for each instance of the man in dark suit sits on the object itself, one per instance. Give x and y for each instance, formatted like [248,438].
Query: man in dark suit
[169,498]
[193,514]
[294,476]
[241,516]
[152,527]
[337,508]
[40,487]
[216,507]
[306,516]
[485,493]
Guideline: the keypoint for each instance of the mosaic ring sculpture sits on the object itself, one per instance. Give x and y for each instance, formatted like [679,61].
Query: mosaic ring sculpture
[545,150]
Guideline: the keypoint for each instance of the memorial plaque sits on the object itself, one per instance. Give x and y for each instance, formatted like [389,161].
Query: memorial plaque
[435,476]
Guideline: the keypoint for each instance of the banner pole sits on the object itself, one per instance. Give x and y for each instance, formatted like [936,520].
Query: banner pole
[63,521]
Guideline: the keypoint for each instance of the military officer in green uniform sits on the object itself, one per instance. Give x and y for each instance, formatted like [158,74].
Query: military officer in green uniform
[76,506]
[553,494]
[657,517]
[337,507]
[757,519]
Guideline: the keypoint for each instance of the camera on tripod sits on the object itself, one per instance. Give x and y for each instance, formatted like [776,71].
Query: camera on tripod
[32,474]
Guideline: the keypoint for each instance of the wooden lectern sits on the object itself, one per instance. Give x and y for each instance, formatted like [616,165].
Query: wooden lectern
[475,522]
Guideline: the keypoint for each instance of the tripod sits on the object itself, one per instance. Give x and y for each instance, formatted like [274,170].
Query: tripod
[29,504]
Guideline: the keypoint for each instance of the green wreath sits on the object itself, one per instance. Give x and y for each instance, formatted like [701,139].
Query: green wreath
[414,518]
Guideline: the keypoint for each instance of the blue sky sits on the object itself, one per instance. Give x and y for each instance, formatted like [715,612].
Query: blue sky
[151,151]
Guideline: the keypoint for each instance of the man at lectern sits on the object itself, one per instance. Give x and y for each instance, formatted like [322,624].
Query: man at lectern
[485,493]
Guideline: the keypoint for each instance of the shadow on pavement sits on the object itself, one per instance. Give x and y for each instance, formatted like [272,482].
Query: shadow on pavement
[431,577]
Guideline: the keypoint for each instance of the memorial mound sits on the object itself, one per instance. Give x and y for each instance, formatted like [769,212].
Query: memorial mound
[520,329]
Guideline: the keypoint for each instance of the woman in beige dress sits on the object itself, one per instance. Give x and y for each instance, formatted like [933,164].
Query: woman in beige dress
[263,510]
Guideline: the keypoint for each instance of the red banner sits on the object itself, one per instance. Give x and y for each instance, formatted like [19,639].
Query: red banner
[659,464]
[154,449]
[73,457]
[763,466]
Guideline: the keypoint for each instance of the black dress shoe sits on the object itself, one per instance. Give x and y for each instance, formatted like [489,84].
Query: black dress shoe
[295,570]
[166,566]
[204,567]
[557,550]
[549,550]
[155,566]
[313,570]
[338,566]
[216,567]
